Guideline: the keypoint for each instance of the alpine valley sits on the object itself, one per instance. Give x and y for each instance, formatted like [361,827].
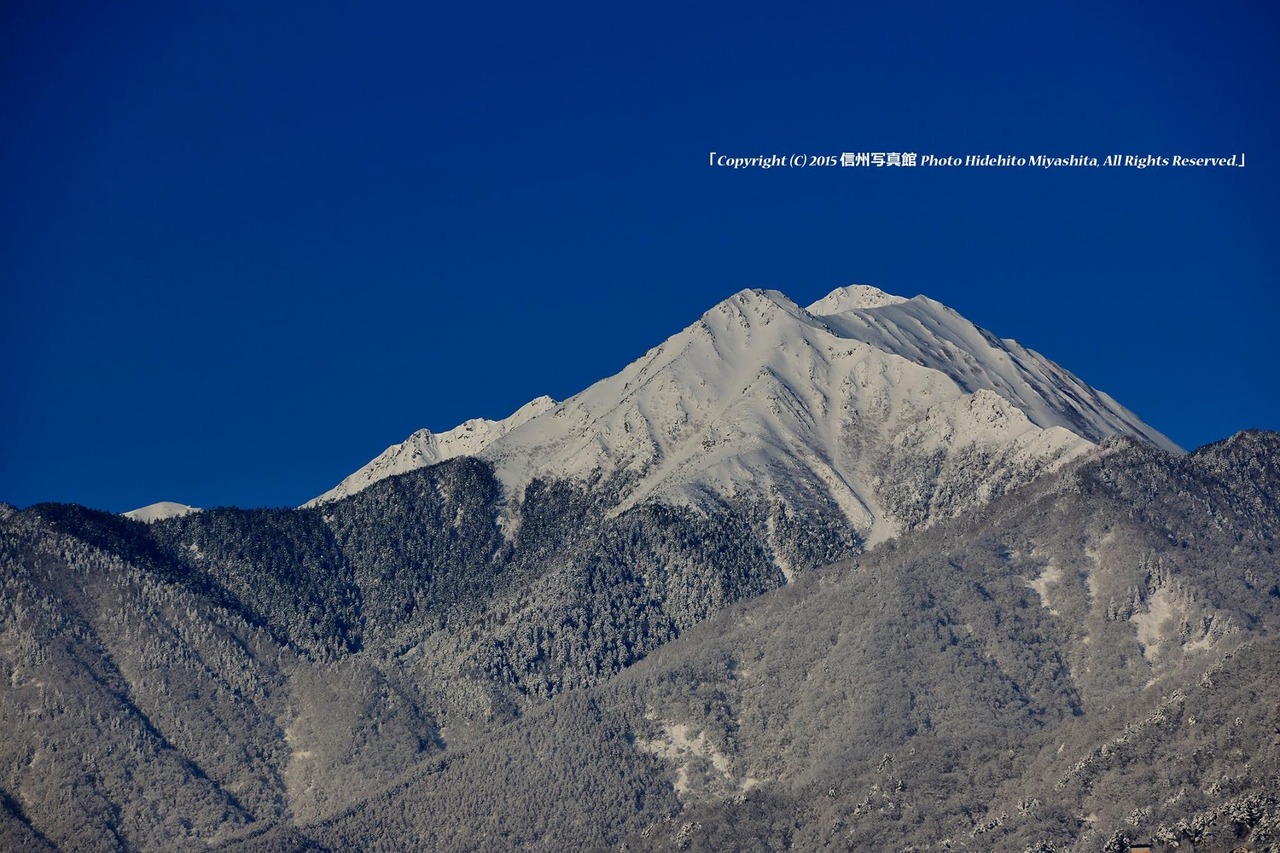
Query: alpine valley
[856,576]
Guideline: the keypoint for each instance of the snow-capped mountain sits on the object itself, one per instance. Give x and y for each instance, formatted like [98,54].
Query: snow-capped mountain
[425,448]
[889,411]
[160,510]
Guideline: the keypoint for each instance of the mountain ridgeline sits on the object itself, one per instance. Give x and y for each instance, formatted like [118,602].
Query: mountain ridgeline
[858,576]
[872,411]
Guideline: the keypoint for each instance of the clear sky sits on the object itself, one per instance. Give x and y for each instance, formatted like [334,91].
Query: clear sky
[246,246]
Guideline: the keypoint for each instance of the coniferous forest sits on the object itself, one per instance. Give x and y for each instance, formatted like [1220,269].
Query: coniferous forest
[1086,662]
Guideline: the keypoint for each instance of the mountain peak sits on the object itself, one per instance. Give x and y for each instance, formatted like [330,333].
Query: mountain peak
[160,510]
[758,300]
[534,407]
[752,309]
[853,297]
[884,411]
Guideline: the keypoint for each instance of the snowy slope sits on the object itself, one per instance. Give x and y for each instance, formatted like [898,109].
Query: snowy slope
[886,412]
[160,510]
[933,335]
[894,409]
[425,448]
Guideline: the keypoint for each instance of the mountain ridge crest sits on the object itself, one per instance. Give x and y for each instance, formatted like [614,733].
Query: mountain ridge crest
[833,402]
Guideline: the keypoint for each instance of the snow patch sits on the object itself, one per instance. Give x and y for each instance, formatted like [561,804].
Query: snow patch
[701,768]
[1050,575]
[1154,624]
[298,773]
[1174,621]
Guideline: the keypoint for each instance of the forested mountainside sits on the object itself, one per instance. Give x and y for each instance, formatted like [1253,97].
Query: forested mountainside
[1089,659]
[321,651]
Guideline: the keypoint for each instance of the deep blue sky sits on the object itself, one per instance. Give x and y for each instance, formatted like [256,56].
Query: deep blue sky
[243,249]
